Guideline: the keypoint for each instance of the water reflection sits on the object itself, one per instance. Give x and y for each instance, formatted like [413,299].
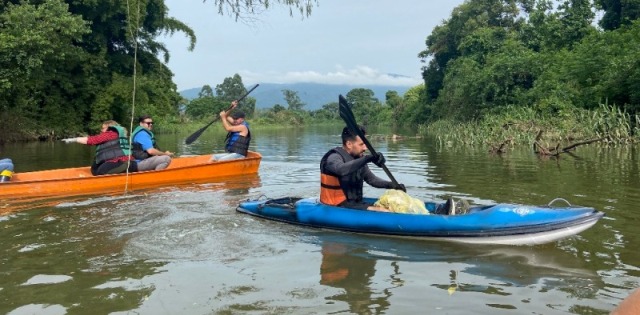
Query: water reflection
[164,250]
[104,246]
[235,185]
[350,262]
[348,269]
[51,245]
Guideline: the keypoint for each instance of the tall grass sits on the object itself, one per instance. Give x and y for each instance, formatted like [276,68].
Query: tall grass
[520,125]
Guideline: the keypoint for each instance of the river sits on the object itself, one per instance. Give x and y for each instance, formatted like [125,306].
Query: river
[185,250]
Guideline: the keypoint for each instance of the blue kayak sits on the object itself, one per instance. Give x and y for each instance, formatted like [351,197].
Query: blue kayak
[493,224]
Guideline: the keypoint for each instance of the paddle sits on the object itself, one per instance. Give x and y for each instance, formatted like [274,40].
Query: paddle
[199,132]
[347,115]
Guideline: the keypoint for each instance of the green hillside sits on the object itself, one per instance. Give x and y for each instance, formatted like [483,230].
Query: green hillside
[313,94]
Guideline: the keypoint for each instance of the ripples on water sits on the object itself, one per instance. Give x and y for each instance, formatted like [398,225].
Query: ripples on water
[185,250]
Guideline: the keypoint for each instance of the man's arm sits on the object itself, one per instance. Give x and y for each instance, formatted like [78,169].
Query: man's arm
[338,167]
[242,129]
[144,140]
[374,180]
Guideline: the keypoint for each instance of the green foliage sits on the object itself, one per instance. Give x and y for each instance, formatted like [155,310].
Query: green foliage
[232,89]
[38,62]
[206,106]
[520,125]
[540,57]
[293,100]
[618,13]
[68,65]
[364,104]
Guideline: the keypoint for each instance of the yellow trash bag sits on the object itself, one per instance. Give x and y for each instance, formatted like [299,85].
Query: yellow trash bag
[400,202]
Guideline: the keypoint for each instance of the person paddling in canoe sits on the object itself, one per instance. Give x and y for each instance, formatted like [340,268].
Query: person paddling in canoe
[6,170]
[113,154]
[145,150]
[343,171]
[238,135]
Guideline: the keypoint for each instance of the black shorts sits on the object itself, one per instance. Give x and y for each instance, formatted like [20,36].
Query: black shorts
[113,168]
[360,205]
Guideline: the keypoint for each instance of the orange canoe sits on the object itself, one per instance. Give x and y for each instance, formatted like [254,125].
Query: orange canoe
[79,181]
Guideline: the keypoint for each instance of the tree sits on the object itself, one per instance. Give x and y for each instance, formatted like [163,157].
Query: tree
[443,42]
[395,104]
[232,89]
[205,105]
[277,108]
[242,9]
[206,91]
[618,12]
[364,104]
[39,56]
[66,64]
[293,100]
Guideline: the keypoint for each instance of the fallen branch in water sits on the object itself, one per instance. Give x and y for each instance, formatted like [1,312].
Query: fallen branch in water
[573,146]
[541,150]
[500,149]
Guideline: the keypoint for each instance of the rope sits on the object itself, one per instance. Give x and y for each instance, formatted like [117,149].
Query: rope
[134,36]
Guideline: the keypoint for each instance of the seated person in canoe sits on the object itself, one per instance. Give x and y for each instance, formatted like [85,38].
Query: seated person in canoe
[343,171]
[113,152]
[145,150]
[238,135]
[6,170]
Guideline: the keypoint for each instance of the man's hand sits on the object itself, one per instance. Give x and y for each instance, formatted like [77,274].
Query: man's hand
[234,104]
[378,159]
[70,140]
[169,153]
[398,187]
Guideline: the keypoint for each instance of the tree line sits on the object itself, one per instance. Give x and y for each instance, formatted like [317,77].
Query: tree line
[550,59]
[550,56]
[66,65]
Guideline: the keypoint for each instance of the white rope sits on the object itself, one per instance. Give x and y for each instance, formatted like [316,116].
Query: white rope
[134,36]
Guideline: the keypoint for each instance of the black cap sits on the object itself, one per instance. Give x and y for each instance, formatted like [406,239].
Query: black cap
[237,114]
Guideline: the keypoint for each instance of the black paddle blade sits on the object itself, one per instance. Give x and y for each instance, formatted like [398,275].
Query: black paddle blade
[190,139]
[347,115]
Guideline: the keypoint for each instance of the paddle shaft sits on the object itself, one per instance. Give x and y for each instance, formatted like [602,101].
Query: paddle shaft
[350,120]
[199,132]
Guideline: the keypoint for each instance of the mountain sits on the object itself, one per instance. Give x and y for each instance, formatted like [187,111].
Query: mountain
[313,94]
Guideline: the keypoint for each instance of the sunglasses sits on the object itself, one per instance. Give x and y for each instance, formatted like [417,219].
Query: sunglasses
[149,123]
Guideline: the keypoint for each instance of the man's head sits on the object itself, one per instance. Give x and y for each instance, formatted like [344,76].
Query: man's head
[237,116]
[108,123]
[352,143]
[146,121]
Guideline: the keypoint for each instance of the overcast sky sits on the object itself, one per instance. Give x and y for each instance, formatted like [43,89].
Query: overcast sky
[342,42]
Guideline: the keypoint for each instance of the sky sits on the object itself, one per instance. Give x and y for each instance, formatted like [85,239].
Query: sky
[342,42]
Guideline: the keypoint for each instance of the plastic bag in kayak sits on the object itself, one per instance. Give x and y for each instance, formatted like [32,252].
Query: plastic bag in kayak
[400,202]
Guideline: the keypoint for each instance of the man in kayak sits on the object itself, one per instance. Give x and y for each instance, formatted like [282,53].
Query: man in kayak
[113,154]
[145,150]
[343,171]
[238,135]
[6,170]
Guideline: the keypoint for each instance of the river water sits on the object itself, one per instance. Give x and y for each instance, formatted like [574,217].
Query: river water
[185,250]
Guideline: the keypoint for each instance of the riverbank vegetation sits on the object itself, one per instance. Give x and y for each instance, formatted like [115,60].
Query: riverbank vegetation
[494,71]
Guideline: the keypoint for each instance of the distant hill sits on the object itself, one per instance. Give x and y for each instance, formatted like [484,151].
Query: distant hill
[313,94]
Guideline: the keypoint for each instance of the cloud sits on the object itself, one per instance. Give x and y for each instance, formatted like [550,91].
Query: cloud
[360,75]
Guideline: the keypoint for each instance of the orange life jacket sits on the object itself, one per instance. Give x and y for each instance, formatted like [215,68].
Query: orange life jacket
[330,191]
